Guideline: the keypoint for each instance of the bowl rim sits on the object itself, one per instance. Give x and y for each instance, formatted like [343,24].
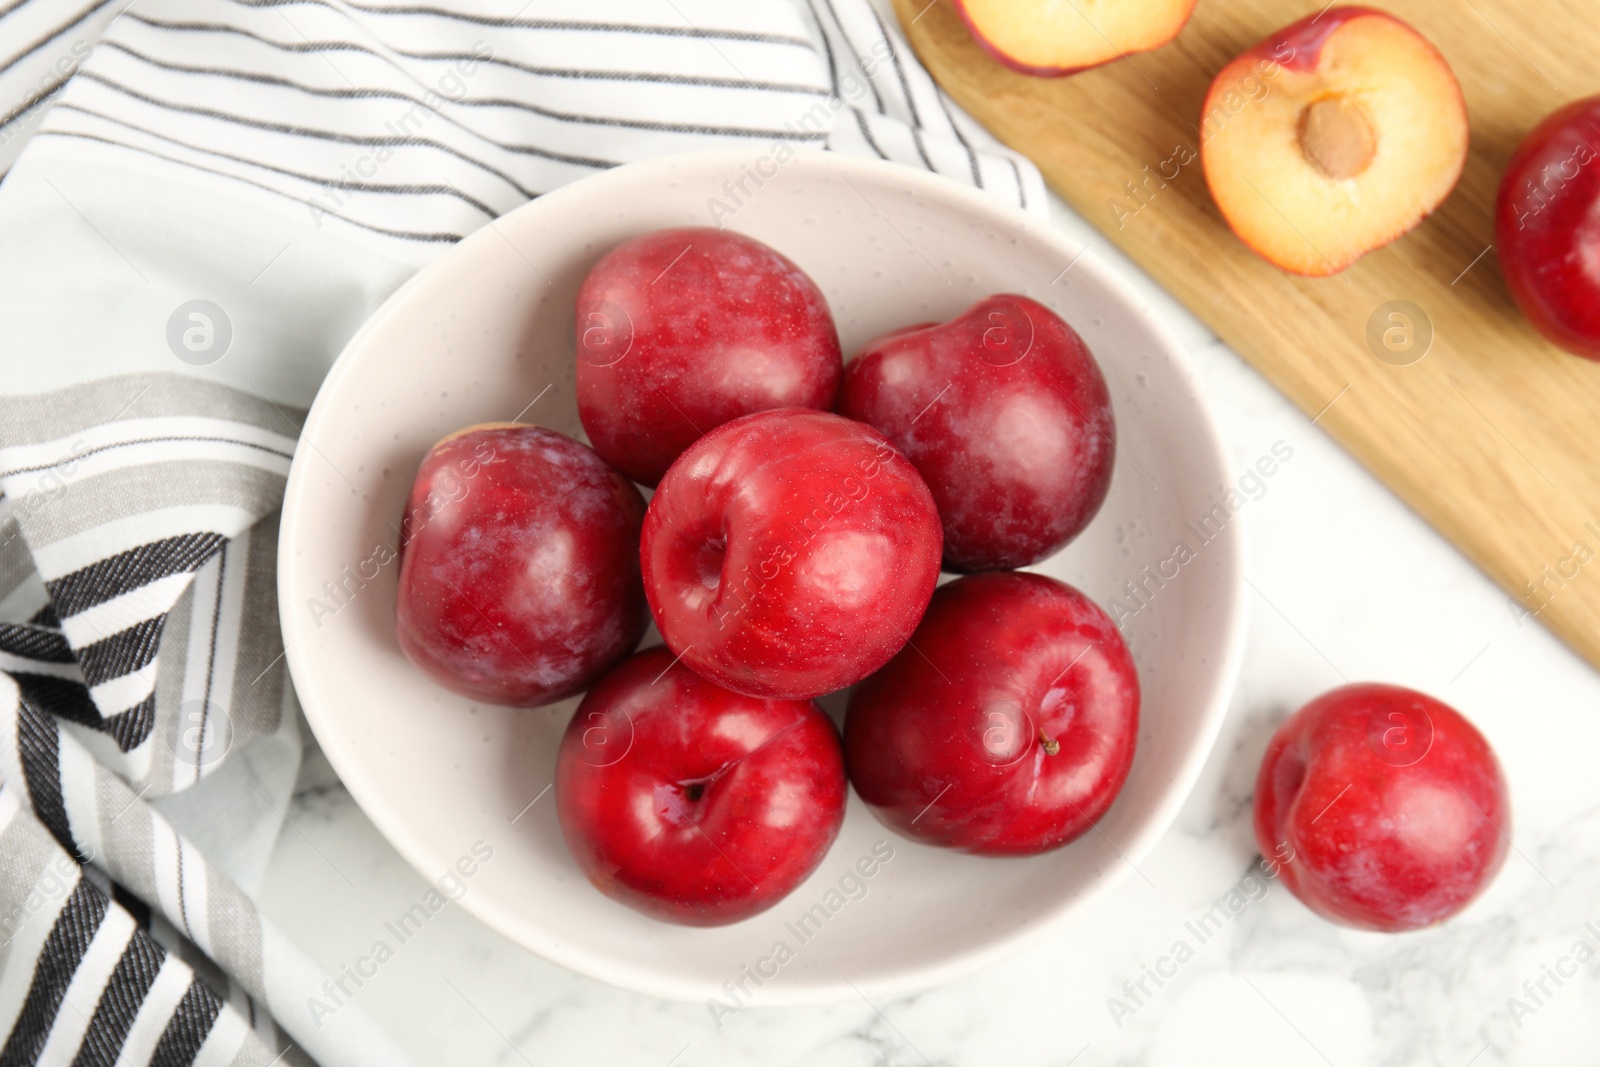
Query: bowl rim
[1211,711]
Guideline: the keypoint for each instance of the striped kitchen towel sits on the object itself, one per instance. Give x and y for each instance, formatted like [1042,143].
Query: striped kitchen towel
[202,200]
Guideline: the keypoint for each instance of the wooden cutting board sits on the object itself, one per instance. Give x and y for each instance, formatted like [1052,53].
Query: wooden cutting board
[1494,435]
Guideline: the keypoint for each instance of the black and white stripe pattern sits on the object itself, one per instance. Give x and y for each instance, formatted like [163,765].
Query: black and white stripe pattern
[112,980]
[138,497]
[112,575]
[101,990]
[422,123]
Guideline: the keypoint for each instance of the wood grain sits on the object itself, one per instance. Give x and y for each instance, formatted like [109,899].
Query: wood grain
[1493,436]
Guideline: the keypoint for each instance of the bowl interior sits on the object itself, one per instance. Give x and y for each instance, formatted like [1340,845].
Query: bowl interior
[486,334]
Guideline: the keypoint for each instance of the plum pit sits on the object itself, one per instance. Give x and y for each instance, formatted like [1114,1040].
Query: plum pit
[1336,137]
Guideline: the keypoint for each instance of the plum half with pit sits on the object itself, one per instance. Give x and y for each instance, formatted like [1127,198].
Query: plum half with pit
[1332,137]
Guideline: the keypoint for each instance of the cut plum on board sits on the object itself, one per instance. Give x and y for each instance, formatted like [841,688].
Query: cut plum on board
[1332,137]
[1055,37]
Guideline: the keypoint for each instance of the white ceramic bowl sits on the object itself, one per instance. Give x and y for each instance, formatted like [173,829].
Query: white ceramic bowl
[487,330]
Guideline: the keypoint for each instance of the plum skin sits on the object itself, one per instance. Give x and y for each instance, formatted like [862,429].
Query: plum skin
[1382,808]
[789,553]
[679,331]
[691,803]
[519,567]
[1005,413]
[1006,727]
[1547,227]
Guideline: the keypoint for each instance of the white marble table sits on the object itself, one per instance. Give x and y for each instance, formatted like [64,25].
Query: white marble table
[1349,584]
